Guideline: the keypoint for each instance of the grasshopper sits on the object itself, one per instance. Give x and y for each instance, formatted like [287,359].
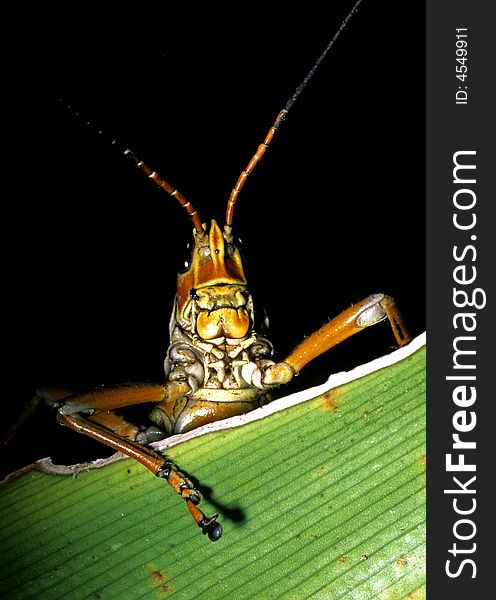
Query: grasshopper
[218,364]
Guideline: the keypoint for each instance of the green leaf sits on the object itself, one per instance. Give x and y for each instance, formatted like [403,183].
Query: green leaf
[325,499]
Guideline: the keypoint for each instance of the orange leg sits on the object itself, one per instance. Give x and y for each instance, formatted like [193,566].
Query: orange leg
[368,312]
[104,425]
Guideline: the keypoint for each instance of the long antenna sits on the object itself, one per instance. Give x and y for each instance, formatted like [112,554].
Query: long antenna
[280,118]
[160,182]
[170,190]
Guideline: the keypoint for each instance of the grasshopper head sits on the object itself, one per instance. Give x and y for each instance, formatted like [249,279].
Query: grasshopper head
[212,300]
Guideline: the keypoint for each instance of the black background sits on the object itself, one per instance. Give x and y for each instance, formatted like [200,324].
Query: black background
[334,212]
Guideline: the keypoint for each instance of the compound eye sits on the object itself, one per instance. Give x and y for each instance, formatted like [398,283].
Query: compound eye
[187,260]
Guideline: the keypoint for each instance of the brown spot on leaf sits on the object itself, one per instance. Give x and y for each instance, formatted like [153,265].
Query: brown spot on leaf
[342,559]
[330,400]
[402,561]
[307,535]
[158,576]
[416,595]
[160,579]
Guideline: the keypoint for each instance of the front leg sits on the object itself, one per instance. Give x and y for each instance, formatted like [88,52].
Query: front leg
[368,312]
[93,414]
[101,405]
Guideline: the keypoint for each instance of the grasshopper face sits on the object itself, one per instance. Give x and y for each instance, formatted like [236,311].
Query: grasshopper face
[212,299]
[223,312]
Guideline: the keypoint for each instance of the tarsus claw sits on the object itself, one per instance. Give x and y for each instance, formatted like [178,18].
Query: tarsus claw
[210,527]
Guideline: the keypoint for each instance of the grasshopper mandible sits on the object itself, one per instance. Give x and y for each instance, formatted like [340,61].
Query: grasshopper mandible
[218,364]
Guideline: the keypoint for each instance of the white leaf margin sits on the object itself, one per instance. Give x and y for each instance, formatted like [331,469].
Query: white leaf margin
[334,381]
